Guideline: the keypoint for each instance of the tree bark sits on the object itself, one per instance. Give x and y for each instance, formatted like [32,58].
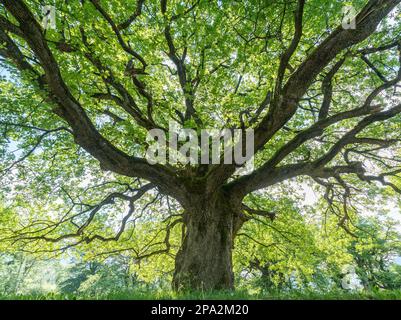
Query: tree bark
[204,261]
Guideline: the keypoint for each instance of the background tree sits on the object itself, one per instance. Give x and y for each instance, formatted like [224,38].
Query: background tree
[322,99]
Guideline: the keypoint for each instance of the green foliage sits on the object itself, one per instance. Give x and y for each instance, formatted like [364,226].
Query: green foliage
[166,295]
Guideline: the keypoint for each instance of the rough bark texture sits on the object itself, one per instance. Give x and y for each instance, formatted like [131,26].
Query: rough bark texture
[204,261]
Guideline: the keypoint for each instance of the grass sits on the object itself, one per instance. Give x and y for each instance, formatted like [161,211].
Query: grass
[236,295]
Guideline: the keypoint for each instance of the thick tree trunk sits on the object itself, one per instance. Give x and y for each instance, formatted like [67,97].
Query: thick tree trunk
[204,261]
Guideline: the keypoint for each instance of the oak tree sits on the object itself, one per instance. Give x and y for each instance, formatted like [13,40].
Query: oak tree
[78,101]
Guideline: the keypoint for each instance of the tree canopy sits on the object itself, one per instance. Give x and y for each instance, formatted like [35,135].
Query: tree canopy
[77,102]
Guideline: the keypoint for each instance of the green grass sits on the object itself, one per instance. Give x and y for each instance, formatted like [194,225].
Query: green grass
[237,295]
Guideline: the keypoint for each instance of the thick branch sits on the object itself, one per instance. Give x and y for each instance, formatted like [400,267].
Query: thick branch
[69,109]
[285,59]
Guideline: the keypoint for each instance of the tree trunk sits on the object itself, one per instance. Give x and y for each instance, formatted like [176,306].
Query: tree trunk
[204,261]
